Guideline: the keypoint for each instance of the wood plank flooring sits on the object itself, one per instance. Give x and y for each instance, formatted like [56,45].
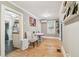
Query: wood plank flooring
[47,48]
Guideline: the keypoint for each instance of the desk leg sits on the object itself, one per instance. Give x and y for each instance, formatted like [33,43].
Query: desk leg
[33,44]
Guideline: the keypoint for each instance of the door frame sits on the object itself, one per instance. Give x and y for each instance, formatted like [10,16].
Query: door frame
[3,8]
[42,26]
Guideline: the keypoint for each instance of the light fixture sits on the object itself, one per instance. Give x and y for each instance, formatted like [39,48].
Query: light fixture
[46,15]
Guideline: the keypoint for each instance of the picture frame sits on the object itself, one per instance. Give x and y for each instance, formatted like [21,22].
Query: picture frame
[32,21]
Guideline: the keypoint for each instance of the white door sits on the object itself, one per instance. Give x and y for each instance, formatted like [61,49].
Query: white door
[44,28]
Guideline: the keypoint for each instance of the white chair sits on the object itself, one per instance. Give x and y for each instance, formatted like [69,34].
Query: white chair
[24,44]
[33,39]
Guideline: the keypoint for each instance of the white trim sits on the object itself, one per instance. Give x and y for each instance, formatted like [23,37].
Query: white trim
[12,10]
[64,53]
[22,9]
[3,8]
[2,30]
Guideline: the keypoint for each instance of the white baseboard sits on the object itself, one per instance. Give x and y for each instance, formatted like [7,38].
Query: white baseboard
[64,53]
[50,37]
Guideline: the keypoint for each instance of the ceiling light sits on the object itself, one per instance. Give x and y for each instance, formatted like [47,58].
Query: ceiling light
[46,15]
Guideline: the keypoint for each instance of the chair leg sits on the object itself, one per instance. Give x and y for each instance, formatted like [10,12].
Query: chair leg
[33,44]
[37,42]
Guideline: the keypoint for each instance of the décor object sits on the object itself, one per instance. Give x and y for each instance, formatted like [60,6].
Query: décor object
[32,21]
[65,3]
[25,35]
[75,9]
[16,26]
[64,17]
[68,12]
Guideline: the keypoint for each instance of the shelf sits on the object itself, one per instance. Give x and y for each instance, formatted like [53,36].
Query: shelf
[15,32]
[64,10]
[70,18]
[67,6]
[69,3]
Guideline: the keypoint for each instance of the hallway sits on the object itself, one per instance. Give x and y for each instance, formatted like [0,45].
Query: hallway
[30,20]
[47,48]
[26,23]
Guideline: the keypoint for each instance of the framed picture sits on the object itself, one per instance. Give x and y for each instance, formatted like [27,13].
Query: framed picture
[32,21]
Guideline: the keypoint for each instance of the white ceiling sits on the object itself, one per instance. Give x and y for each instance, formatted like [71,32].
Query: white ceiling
[41,9]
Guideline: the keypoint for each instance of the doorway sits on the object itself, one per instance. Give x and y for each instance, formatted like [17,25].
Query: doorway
[48,27]
[44,27]
[8,18]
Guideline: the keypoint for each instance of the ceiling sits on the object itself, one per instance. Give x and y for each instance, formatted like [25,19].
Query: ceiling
[41,9]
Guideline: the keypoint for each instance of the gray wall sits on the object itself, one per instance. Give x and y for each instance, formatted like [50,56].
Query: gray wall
[71,39]
[44,28]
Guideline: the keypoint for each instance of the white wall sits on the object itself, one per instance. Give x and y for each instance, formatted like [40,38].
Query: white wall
[0,31]
[70,36]
[28,28]
[71,39]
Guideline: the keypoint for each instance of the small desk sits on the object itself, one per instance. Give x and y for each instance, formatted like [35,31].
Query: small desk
[34,42]
[39,35]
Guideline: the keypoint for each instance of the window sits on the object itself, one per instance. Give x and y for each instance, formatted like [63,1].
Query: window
[50,26]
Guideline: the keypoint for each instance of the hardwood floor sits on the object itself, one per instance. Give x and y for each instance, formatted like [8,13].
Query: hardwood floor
[47,48]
